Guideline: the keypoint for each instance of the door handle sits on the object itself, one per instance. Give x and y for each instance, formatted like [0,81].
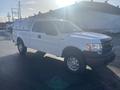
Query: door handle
[39,36]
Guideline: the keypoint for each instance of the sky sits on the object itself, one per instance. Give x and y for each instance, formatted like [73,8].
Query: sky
[31,7]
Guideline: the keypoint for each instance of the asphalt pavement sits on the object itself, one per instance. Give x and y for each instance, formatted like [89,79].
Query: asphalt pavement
[35,72]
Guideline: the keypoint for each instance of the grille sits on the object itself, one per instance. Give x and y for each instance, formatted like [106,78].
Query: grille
[107,46]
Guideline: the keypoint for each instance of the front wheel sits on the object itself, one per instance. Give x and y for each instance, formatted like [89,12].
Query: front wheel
[21,48]
[74,62]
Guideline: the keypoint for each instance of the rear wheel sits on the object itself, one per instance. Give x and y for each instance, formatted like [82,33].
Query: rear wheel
[21,47]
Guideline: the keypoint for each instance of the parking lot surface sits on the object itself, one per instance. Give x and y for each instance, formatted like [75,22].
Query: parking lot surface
[35,72]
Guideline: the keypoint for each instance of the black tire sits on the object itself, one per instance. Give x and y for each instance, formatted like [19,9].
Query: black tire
[78,58]
[21,47]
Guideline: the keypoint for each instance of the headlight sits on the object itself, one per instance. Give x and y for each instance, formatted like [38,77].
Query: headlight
[94,48]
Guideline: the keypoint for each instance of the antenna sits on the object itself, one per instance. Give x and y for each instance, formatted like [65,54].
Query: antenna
[19,10]
[14,13]
[8,15]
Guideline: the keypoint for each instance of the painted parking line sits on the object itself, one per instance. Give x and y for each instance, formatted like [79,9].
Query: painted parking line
[115,70]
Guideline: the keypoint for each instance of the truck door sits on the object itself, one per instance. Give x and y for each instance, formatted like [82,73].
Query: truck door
[45,37]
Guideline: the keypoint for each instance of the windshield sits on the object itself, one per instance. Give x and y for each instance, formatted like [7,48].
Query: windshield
[66,27]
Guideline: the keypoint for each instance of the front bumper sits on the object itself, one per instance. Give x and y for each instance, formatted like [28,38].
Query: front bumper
[94,59]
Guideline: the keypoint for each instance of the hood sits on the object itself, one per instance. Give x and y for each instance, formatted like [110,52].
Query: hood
[90,35]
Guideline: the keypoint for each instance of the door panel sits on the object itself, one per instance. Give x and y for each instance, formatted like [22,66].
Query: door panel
[52,44]
[37,41]
[45,38]
[25,37]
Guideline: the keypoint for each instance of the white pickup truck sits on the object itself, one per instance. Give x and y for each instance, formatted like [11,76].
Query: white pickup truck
[64,39]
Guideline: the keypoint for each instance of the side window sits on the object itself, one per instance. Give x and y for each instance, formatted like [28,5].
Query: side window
[38,27]
[50,29]
[45,27]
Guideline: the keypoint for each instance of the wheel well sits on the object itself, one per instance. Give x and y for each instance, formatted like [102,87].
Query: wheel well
[19,39]
[70,49]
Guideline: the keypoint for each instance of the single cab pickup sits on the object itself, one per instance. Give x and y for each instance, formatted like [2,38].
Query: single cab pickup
[64,39]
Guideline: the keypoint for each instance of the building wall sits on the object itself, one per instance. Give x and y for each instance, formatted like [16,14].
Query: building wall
[92,20]
[91,16]
[2,26]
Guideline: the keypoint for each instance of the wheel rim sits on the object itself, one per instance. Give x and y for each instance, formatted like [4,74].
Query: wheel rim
[20,47]
[73,63]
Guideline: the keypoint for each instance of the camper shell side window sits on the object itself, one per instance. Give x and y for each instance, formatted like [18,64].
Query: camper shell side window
[46,27]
